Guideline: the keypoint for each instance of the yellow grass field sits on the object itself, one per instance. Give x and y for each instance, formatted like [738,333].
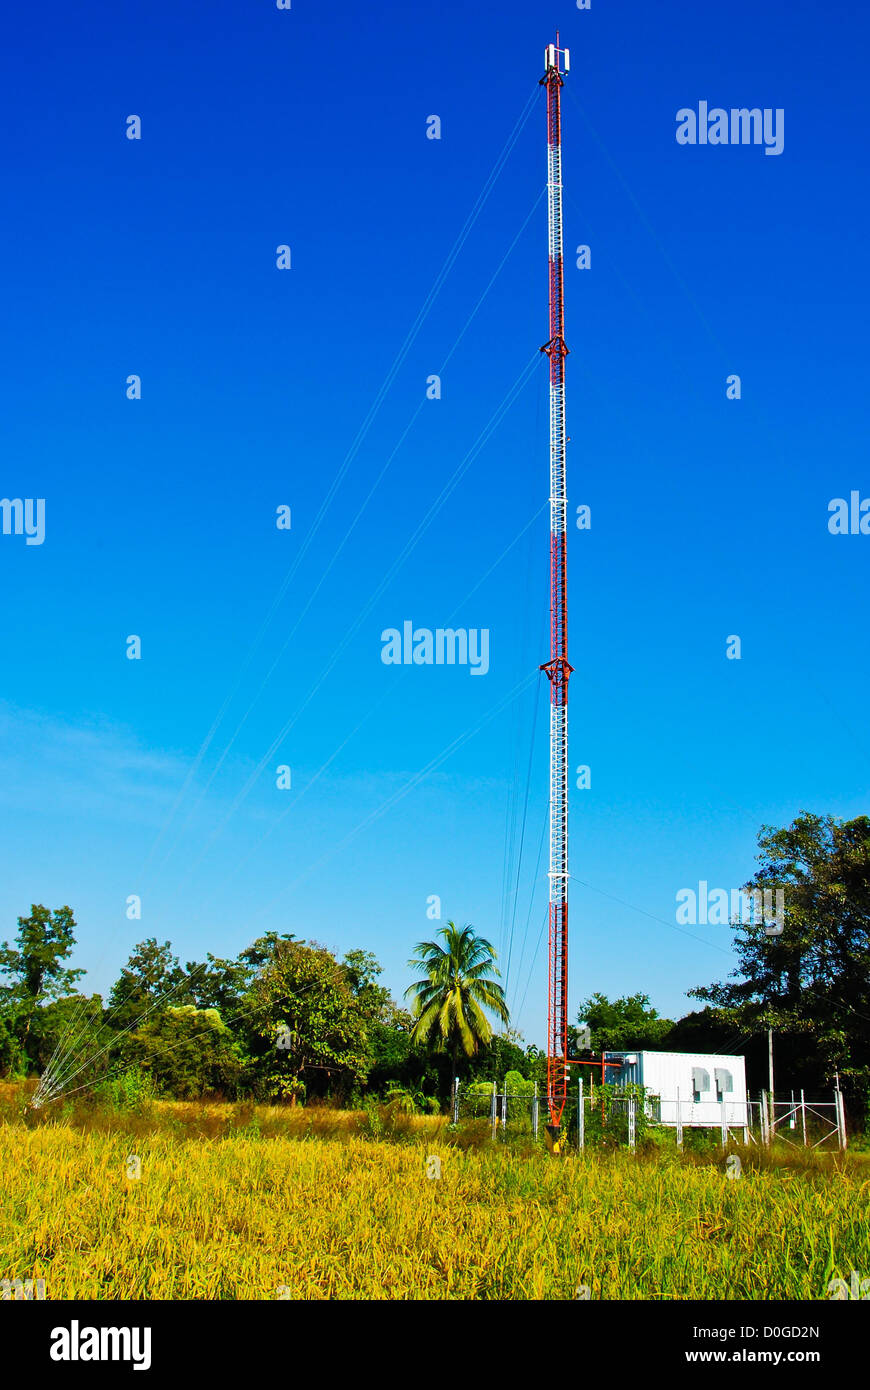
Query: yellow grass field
[255,1203]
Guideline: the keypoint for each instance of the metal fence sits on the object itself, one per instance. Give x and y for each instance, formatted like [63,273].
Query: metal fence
[512,1113]
[802,1123]
[507,1112]
[614,1118]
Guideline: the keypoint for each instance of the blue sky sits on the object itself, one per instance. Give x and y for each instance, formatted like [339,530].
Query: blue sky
[709,517]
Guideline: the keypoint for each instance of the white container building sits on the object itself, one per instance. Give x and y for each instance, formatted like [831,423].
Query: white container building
[699,1081]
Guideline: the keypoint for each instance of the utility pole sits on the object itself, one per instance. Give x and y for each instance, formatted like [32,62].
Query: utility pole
[557,668]
[770,1091]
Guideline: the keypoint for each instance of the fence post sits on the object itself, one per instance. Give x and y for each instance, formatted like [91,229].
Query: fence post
[804,1118]
[535,1112]
[581,1117]
[456,1100]
[679,1121]
[724,1123]
[766,1129]
[762,1112]
[492,1109]
[771,1119]
[841,1117]
[631,1123]
[504,1109]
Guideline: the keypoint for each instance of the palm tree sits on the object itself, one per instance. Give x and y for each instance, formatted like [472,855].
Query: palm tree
[456,987]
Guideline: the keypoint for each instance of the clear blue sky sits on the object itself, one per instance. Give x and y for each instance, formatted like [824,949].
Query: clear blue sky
[157,257]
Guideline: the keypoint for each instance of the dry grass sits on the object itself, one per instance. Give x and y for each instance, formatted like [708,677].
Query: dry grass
[242,1202]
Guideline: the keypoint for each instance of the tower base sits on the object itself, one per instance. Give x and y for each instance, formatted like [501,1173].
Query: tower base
[553,1135]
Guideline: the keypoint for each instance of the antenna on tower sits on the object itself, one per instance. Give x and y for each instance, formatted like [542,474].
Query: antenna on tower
[551,57]
[558,668]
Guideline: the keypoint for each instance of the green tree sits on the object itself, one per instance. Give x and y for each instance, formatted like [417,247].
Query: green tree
[502,1054]
[620,1025]
[396,1062]
[457,988]
[703,1030]
[223,984]
[265,949]
[217,983]
[813,978]
[363,969]
[13,1058]
[187,1051]
[305,1014]
[151,981]
[34,968]
[67,1032]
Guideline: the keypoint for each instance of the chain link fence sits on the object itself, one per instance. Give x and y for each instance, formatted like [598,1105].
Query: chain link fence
[607,1116]
[604,1115]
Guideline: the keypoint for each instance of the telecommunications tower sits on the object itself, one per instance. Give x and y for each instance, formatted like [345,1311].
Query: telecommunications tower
[558,668]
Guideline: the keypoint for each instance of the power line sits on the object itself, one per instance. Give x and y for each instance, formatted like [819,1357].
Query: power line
[806,989]
[355,446]
[535,882]
[516,894]
[393,686]
[436,506]
[397,796]
[341,544]
[532,960]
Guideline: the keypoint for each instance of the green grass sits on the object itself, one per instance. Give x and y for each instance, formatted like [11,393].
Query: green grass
[260,1202]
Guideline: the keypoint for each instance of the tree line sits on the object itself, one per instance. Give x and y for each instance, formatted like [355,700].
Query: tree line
[287,1019]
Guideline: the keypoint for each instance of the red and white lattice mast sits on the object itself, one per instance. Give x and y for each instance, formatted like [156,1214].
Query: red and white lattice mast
[557,668]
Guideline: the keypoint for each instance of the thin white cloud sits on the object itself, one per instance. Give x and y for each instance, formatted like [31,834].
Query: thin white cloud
[92,766]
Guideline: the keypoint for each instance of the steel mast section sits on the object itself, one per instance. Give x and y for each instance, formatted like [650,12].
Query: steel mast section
[558,668]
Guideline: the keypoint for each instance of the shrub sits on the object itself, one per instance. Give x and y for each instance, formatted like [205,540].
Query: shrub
[133,1090]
